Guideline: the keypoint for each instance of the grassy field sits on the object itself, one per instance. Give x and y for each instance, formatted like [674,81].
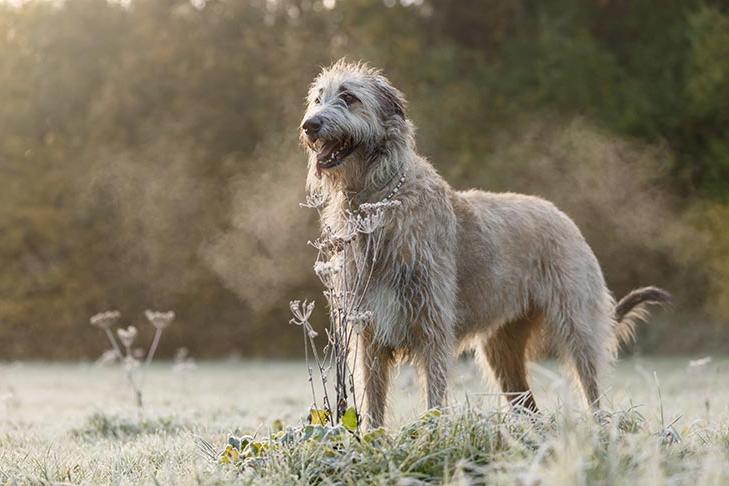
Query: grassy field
[76,423]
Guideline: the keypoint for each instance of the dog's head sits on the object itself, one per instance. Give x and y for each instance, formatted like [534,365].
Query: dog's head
[352,113]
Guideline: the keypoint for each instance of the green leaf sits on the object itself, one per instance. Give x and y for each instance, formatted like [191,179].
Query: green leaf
[277,425]
[350,419]
[432,413]
[334,434]
[229,456]
[375,436]
[319,416]
[315,432]
[256,448]
[244,441]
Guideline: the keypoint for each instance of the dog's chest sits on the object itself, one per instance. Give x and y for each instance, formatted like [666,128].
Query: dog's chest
[397,291]
[392,273]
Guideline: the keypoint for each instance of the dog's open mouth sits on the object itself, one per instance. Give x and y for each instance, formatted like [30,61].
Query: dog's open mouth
[331,153]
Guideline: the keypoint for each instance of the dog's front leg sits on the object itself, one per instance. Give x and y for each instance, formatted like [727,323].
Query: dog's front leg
[433,365]
[376,365]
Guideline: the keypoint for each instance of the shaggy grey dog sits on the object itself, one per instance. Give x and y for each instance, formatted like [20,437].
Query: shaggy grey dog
[504,274]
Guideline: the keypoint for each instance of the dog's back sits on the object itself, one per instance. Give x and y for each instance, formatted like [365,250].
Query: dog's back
[519,253]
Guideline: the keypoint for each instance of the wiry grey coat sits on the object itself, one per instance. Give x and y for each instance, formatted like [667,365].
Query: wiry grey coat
[505,274]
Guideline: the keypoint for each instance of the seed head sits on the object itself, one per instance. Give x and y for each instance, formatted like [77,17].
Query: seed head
[127,336]
[327,269]
[368,223]
[105,320]
[301,311]
[314,201]
[160,320]
[358,320]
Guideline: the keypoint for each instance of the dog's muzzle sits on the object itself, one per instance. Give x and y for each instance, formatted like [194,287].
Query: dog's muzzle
[330,152]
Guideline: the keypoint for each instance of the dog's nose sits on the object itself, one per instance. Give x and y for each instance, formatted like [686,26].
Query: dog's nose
[312,125]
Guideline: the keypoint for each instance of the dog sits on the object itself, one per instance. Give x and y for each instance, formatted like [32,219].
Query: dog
[507,275]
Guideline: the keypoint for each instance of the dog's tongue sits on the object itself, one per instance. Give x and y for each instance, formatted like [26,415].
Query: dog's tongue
[323,155]
[326,151]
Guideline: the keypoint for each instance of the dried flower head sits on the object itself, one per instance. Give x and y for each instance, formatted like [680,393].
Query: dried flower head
[368,223]
[333,243]
[182,354]
[338,295]
[327,269]
[301,311]
[358,320]
[314,201]
[183,361]
[310,331]
[105,320]
[160,320]
[127,336]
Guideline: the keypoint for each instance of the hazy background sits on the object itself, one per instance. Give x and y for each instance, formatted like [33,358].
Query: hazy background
[149,158]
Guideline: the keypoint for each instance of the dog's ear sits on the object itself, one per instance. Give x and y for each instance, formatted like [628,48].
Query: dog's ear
[391,100]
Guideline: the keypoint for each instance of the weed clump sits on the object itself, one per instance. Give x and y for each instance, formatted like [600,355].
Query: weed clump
[129,358]
[457,446]
[110,426]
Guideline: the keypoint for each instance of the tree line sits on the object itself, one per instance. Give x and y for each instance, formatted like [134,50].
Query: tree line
[149,157]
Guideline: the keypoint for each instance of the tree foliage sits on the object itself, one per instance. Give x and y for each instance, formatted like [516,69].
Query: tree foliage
[148,149]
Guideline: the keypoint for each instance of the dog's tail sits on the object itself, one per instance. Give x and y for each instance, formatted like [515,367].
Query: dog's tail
[634,307]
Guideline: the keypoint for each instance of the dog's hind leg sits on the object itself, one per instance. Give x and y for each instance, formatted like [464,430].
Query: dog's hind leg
[583,353]
[586,344]
[504,352]
[587,370]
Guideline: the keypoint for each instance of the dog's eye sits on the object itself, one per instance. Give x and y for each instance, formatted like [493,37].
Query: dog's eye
[349,98]
[317,101]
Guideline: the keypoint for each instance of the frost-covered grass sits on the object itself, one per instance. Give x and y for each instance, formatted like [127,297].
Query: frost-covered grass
[76,424]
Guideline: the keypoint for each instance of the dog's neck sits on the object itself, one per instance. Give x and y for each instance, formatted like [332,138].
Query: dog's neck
[387,175]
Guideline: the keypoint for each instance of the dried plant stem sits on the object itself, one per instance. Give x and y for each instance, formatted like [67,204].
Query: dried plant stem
[135,388]
[323,373]
[153,346]
[114,344]
[345,264]
[106,321]
[308,368]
